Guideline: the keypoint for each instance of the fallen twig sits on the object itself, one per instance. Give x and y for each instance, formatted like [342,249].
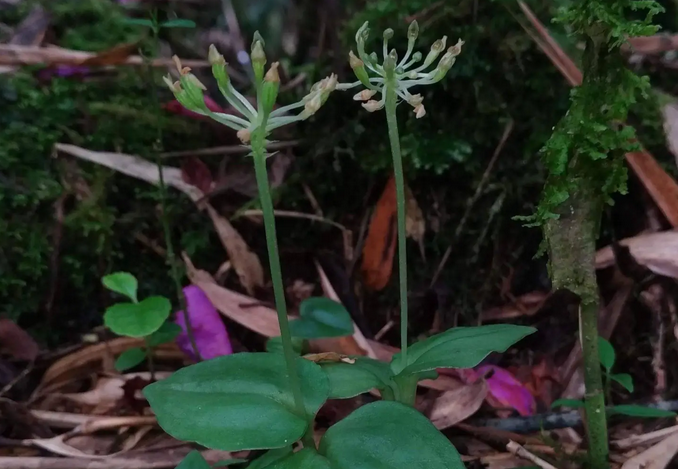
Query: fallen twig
[521,452]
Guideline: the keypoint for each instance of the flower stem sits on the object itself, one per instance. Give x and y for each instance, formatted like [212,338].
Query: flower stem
[259,153]
[162,193]
[391,101]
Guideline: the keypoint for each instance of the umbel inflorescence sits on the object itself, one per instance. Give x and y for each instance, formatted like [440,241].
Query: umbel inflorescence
[400,75]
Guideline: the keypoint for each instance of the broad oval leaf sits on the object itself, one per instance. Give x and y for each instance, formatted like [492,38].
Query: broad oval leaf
[130,358]
[624,379]
[138,319]
[606,354]
[321,317]
[640,411]
[461,347]
[237,402]
[351,379]
[122,282]
[305,459]
[194,460]
[388,435]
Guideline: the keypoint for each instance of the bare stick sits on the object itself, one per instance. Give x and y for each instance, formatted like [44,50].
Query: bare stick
[521,452]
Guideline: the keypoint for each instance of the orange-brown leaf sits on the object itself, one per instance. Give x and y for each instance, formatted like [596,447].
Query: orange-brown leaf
[115,56]
[381,239]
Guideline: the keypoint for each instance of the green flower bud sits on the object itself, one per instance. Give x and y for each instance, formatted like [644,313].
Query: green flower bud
[214,57]
[193,92]
[358,67]
[258,59]
[256,37]
[416,57]
[388,34]
[390,62]
[174,86]
[363,33]
[269,91]
[435,51]
[413,31]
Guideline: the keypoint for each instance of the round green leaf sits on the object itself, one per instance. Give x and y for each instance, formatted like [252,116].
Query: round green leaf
[237,402]
[130,358]
[138,319]
[624,379]
[606,354]
[349,380]
[321,317]
[122,282]
[194,460]
[167,333]
[640,411]
[388,435]
[461,347]
[305,459]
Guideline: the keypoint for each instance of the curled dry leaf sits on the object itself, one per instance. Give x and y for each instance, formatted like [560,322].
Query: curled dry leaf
[656,251]
[657,457]
[15,342]
[455,406]
[380,243]
[245,262]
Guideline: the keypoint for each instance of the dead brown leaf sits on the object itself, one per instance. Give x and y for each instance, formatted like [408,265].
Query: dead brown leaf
[381,239]
[245,262]
[13,54]
[455,406]
[16,342]
[329,357]
[196,173]
[114,56]
[656,251]
[650,45]
[657,457]
[415,225]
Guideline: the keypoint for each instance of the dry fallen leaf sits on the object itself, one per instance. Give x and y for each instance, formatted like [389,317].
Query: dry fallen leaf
[415,225]
[245,262]
[381,240]
[455,406]
[16,342]
[114,56]
[196,173]
[657,457]
[670,114]
[656,251]
[329,357]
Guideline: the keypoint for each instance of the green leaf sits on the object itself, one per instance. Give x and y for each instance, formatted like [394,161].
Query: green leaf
[130,358]
[461,347]
[624,379]
[305,459]
[138,22]
[178,23]
[167,333]
[574,403]
[274,345]
[606,354]
[237,402]
[138,319]
[321,317]
[388,435]
[270,457]
[349,380]
[122,282]
[194,460]
[640,411]
[229,462]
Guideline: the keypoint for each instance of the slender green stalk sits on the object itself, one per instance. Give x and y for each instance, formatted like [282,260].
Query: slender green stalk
[391,102]
[162,193]
[259,153]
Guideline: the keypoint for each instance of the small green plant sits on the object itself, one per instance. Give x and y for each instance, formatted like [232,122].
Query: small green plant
[268,400]
[145,319]
[607,360]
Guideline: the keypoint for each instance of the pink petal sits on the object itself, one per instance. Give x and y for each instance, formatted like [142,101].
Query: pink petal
[506,389]
[209,330]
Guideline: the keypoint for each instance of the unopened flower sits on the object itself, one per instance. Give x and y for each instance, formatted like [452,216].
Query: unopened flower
[419,111]
[364,95]
[244,135]
[372,105]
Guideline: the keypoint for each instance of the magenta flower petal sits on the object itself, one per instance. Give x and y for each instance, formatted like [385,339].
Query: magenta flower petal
[208,328]
[506,389]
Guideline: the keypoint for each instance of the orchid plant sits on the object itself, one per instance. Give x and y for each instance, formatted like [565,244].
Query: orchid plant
[268,400]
